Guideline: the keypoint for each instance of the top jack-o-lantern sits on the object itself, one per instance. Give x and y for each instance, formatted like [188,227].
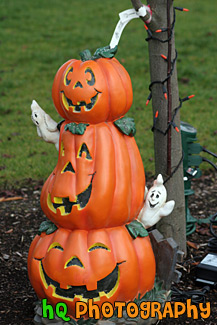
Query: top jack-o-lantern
[94,89]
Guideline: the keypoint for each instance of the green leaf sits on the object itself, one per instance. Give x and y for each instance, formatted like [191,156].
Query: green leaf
[156,294]
[136,229]
[105,52]
[88,321]
[72,322]
[51,229]
[43,227]
[126,125]
[47,226]
[102,52]
[75,128]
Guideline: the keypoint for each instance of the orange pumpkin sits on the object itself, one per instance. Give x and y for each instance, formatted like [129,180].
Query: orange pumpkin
[103,265]
[92,91]
[98,182]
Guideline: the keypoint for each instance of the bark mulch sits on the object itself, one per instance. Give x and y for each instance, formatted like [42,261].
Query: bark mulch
[20,217]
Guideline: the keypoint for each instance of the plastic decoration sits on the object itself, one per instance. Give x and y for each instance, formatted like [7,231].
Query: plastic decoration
[46,127]
[69,266]
[126,125]
[136,229]
[76,128]
[92,246]
[155,206]
[98,182]
[102,52]
[92,90]
[48,227]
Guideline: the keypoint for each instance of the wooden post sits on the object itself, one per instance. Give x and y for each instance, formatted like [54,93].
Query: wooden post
[168,148]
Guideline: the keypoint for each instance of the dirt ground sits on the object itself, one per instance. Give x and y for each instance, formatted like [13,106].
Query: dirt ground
[19,223]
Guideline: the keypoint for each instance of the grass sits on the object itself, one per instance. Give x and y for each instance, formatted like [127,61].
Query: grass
[37,37]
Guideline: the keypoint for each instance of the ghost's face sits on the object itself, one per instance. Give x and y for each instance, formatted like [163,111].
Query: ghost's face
[36,116]
[156,197]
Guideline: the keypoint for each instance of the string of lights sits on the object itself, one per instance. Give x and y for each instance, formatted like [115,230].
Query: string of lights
[162,81]
[162,30]
[171,66]
[171,123]
[175,169]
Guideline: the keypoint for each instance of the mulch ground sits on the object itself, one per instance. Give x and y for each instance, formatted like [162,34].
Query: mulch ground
[20,220]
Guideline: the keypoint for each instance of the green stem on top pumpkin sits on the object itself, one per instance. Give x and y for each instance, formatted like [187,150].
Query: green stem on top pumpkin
[102,52]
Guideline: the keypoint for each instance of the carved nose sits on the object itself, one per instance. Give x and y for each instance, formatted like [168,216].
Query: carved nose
[78,84]
[74,261]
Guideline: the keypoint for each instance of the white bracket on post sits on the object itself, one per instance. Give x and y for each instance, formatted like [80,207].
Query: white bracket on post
[125,17]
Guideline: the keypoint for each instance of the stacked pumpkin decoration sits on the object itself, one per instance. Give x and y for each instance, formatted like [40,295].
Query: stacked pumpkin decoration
[94,248]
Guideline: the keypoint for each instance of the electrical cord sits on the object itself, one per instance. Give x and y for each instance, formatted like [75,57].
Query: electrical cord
[191,224]
[209,152]
[213,222]
[196,296]
[210,162]
[207,160]
[212,243]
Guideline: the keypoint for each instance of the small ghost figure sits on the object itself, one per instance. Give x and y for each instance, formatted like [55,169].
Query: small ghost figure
[46,127]
[155,207]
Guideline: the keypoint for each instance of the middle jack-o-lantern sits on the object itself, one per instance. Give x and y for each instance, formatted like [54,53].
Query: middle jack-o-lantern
[105,265]
[98,182]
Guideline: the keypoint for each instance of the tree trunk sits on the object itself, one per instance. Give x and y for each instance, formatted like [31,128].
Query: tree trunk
[168,148]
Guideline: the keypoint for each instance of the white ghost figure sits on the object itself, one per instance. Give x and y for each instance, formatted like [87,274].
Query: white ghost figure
[46,127]
[155,206]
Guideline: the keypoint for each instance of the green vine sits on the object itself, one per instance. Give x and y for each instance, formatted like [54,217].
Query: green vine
[126,125]
[102,52]
[47,226]
[75,128]
[136,229]
[156,294]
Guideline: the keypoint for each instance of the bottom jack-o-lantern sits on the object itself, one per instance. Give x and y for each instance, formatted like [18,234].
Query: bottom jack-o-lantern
[105,265]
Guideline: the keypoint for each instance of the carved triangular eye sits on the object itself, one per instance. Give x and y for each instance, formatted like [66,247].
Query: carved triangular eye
[85,149]
[68,168]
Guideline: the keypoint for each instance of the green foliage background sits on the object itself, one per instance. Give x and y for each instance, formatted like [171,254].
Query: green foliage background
[37,37]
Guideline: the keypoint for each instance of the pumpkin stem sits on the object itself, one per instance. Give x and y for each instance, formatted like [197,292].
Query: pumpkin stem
[85,55]
[102,52]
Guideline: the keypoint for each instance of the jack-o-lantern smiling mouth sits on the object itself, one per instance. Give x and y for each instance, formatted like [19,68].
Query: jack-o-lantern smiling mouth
[77,107]
[65,205]
[105,287]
